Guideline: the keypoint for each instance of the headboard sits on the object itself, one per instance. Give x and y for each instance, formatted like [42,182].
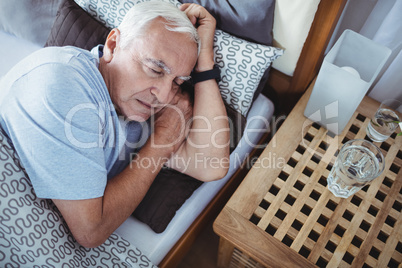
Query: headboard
[291,74]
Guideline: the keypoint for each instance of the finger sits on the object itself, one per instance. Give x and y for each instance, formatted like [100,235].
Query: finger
[195,13]
[183,7]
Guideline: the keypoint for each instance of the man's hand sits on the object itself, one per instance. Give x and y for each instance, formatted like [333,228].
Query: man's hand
[172,123]
[208,139]
[205,24]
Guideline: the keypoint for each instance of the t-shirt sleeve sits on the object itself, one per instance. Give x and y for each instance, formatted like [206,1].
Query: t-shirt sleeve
[56,127]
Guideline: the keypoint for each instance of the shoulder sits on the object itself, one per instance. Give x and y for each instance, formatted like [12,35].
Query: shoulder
[65,59]
[61,54]
[54,75]
[58,68]
[55,61]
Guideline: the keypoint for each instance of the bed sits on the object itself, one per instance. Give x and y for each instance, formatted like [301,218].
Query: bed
[283,82]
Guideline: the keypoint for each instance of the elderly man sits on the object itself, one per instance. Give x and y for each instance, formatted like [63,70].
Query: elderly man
[67,111]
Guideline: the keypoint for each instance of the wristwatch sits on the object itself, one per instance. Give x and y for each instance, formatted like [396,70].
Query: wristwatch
[215,73]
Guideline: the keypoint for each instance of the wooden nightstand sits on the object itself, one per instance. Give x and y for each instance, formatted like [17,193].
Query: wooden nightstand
[282,215]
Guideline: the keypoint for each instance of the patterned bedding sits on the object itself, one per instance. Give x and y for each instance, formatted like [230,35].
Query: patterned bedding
[34,234]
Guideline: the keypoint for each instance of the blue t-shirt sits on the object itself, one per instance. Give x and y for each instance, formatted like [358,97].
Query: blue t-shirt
[56,109]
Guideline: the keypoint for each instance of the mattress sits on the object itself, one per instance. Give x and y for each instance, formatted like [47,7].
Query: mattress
[156,246]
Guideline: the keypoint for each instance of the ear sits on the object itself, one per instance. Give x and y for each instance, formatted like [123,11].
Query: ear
[111,44]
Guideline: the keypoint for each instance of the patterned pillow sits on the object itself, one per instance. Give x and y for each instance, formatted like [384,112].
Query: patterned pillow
[242,63]
[111,13]
[242,66]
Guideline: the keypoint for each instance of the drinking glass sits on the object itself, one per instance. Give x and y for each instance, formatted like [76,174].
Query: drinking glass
[358,163]
[385,121]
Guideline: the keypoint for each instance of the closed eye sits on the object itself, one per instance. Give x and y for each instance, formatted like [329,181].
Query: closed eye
[154,70]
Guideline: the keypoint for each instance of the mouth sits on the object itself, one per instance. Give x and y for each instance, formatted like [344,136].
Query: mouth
[145,104]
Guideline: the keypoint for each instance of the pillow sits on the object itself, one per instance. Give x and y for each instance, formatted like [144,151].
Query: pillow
[166,195]
[28,19]
[249,20]
[243,63]
[111,13]
[234,17]
[74,27]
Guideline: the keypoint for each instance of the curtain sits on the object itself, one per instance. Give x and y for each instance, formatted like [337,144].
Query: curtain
[389,34]
[381,21]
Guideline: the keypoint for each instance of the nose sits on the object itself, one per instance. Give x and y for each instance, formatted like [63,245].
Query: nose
[163,91]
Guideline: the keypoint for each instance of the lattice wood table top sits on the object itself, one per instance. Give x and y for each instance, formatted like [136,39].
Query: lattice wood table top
[283,214]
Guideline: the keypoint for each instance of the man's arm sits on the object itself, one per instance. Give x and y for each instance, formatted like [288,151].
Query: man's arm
[92,221]
[206,150]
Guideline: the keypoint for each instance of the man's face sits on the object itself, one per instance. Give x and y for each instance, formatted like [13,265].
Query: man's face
[148,72]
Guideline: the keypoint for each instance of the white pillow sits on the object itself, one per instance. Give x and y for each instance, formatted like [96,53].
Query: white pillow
[242,63]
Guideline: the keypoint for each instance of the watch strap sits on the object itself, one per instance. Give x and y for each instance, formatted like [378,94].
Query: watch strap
[214,73]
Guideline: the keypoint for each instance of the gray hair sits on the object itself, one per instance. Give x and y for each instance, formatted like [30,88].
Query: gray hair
[139,17]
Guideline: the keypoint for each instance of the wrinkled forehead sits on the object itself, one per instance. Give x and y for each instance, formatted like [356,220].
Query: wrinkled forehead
[173,52]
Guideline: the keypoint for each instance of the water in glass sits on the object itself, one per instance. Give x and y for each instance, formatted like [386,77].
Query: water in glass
[382,125]
[354,168]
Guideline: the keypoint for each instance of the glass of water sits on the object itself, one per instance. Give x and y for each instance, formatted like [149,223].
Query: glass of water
[358,163]
[385,121]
